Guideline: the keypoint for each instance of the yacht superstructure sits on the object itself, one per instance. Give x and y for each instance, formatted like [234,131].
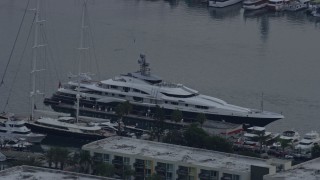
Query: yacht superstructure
[144,91]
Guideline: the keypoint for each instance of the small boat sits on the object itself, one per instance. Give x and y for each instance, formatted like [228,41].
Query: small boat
[291,136]
[277,5]
[251,137]
[254,4]
[316,12]
[15,128]
[303,149]
[68,126]
[222,3]
[297,5]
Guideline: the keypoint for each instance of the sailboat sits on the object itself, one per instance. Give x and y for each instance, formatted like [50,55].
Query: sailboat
[68,126]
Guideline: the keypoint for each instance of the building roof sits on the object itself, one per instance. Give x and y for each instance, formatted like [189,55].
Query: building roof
[37,173]
[309,170]
[174,153]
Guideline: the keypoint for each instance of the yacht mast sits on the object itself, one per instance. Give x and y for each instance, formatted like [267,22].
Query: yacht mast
[34,60]
[81,54]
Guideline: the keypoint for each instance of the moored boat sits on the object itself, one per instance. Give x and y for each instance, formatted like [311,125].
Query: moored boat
[222,3]
[254,4]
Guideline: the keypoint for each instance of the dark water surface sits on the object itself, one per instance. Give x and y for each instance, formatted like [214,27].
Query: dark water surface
[226,53]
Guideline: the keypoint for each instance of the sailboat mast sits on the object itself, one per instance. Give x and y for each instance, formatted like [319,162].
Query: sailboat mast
[81,54]
[34,59]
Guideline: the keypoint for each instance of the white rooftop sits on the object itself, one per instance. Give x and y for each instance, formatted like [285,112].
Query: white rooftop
[309,170]
[174,153]
[36,173]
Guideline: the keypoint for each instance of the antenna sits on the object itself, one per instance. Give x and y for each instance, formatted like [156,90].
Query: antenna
[262,102]
[34,70]
[144,65]
[81,54]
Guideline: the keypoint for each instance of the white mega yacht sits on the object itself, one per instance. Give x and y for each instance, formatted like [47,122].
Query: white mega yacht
[145,91]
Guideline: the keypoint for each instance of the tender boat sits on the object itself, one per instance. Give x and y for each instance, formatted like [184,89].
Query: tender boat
[251,137]
[254,4]
[222,3]
[291,136]
[145,91]
[68,126]
[14,128]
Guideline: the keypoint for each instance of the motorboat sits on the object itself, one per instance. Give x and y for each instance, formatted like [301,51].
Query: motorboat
[254,4]
[253,134]
[68,126]
[222,3]
[145,91]
[316,12]
[291,136]
[12,127]
[297,5]
[304,147]
[277,5]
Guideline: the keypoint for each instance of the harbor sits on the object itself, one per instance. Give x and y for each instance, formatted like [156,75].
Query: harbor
[225,82]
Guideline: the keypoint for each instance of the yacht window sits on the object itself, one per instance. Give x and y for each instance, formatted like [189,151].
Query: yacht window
[179,96]
[166,102]
[126,89]
[143,92]
[202,107]
[139,99]
[114,87]
[93,99]
[3,131]
[121,95]
[16,132]
[174,103]
[136,90]
[2,125]
[186,105]
[112,94]
[18,125]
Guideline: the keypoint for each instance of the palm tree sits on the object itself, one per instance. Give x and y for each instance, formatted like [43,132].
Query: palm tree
[85,161]
[127,107]
[63,157]
[176,116]
[201,118]
[284,143]
[261,138]
[159,117]
[103,169]
[49,156]
[120,111]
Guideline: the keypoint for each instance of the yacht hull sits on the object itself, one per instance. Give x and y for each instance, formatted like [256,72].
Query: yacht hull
[141,116]
[64,133]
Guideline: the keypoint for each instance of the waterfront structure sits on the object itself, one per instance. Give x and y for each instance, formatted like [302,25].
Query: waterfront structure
[177,162]
[31,172]
[145,91]
[309,170]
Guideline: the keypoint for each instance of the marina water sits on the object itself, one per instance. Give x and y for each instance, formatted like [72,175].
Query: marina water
[225,53]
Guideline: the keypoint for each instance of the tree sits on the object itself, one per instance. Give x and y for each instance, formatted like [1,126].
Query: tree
[195,137]
[159,117]
[120,111]
[174,137]
[127,172]
[103,169]
[284,143]
[176,116]
[85,162]
[261,138]
[63,156]
[49,156]
[201,118]
[127,107]
[154,177]
[315,151]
